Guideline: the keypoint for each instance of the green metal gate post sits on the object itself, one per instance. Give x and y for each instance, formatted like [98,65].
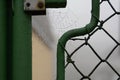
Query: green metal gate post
[15,41]
[3,39]
[22,44]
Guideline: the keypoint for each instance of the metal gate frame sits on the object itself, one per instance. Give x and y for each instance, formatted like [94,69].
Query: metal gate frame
[91,28]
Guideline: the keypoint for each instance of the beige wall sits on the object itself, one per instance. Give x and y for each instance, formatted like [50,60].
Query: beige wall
[41,59]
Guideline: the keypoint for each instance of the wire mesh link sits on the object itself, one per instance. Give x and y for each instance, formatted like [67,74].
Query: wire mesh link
[86,42]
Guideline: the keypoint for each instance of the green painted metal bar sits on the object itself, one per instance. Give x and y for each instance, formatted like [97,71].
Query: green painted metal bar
[22,44]
[55,3]
[9,39]
[73,33]
[3,18]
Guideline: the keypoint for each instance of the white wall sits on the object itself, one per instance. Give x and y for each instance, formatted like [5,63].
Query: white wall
[77,14]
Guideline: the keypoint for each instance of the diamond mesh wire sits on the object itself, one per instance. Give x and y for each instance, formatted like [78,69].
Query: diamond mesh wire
[99,27]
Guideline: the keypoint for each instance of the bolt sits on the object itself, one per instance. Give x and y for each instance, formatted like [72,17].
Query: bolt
[28,4]
[40,5]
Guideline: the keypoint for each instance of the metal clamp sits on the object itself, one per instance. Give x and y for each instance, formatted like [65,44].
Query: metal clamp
[35,7]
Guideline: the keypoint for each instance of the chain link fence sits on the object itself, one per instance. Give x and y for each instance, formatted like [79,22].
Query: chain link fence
[86,39]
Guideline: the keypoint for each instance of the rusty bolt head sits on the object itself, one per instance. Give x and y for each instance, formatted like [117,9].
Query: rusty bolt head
[40,5]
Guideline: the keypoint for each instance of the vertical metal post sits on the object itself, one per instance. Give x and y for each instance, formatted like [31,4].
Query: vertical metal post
[8,32]
[3,39]
[22,44]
